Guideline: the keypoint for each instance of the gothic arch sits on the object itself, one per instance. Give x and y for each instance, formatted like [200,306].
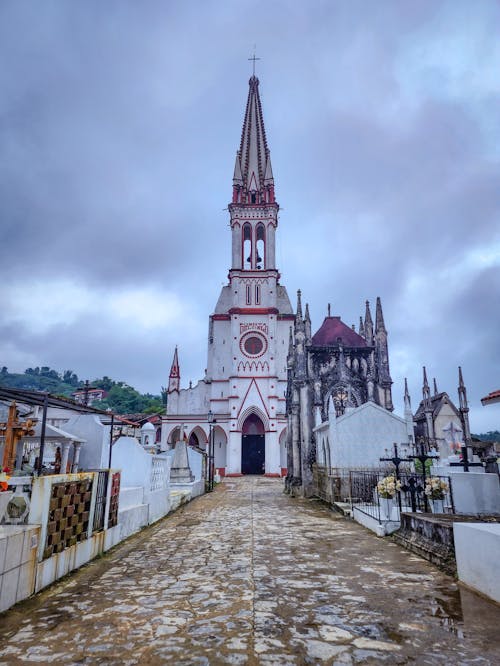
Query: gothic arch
[353,396]
[253,410]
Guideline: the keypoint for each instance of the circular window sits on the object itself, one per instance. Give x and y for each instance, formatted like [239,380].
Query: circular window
[253,344]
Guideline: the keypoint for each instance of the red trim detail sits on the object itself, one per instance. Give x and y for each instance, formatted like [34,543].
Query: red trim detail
[286,317]
[228,476]
[254,311]
[260,394]
[221,317]
[219,399]
[273,476]
[284,471]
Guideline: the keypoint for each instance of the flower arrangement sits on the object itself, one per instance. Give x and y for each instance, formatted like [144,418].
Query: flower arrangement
[435,488]
[388,487]
[4,479]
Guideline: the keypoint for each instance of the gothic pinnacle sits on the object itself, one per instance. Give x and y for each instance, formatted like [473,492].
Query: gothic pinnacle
[435,386]
[368,324]
[299,305]
[379,318]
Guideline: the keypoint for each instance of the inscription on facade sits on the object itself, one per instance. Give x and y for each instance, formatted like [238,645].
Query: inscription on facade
[256,326]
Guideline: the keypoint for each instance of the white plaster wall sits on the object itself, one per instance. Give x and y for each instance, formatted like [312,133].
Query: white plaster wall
[18,551]
[473,492]
[362,434]
[94,453]
[134,463]
[477,546]
[195,463]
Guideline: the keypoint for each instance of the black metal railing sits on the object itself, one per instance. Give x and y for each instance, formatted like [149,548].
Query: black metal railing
[100,502]
[411,496]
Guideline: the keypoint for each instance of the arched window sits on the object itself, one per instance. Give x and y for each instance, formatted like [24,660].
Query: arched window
[260,248]
[247,246]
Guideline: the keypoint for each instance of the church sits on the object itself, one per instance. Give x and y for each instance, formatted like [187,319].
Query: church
[267,376]
[240,401]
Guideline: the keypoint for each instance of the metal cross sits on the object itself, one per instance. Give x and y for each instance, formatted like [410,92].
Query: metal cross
[253,58]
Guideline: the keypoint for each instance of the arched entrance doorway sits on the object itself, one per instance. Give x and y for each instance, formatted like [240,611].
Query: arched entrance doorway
[253,448]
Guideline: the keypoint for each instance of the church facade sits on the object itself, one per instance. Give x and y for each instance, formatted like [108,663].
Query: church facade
[241,400]
[332,372]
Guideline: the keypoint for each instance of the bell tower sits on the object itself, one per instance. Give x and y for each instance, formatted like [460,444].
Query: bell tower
[253,212]
[245,379]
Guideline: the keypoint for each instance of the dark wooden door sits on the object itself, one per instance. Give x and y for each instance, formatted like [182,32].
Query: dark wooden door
[253,454]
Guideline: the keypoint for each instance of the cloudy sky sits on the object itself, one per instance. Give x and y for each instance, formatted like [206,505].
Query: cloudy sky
[119,122]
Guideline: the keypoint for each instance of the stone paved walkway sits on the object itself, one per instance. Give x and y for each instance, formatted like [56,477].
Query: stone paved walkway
[248,575]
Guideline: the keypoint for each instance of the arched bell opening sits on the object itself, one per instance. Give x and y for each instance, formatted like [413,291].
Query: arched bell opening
[247,246]
[253,446]
[260,247]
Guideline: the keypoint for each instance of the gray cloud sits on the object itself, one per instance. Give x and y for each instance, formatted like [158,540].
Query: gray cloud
[118,128]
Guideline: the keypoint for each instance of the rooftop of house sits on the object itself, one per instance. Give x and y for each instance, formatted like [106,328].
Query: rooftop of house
[491,398]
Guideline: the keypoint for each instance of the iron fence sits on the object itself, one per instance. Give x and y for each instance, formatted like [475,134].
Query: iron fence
[100,500]
[411,496]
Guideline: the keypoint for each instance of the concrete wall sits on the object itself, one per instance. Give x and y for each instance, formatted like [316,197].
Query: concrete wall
[18,548]
[94,454]
[474,493]
[477,546]
[358,438]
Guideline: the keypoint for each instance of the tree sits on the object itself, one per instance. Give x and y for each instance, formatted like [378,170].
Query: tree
[4,370]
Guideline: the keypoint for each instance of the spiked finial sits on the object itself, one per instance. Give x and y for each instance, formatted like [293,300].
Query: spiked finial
[306,316]
[253,161]
[329,310]
[368,324]
[462,391]
[426,393]
[435,386]
[361,330]
[174,379]
[299,305]
[379,318]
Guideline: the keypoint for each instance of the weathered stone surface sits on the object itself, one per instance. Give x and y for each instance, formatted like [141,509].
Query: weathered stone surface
[247,576]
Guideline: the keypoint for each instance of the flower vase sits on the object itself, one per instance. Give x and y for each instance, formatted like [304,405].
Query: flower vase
[386,505]
[5,498]
[437,505]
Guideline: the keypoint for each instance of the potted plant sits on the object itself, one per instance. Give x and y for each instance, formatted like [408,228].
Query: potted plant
[435,490]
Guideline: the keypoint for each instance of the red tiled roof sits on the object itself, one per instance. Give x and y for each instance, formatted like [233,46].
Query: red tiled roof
[334,328]
[491,398]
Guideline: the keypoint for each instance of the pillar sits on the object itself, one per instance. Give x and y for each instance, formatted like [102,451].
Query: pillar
[76,456]
[64,456]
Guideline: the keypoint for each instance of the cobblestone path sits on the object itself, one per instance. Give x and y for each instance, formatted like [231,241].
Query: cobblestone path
[248,575]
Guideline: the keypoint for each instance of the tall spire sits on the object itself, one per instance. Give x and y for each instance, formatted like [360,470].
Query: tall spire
[408,414]
[407,398]
[368,324]
[299,306]
[426,393]
[464,406]
[174,379]
[379,317]
[253,172]
[361,327]
[307,323]
[435,386]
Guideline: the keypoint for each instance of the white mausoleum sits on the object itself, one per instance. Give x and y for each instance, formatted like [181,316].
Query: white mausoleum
[245,382]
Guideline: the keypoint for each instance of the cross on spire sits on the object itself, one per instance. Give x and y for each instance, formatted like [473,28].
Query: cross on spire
[253,58]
